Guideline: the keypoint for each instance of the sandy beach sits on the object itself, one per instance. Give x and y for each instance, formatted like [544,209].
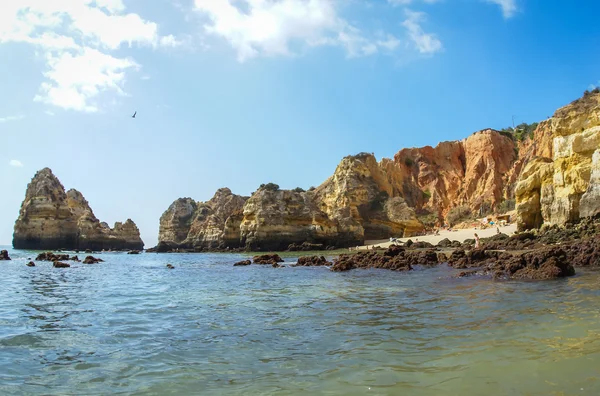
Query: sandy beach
[456,235]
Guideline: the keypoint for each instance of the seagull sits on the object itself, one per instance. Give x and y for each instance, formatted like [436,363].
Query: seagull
[133,116]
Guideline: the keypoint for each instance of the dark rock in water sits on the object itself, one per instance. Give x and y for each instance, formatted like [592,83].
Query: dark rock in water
[275,265]
[545,263]
[396,258]
[305,247]
[49,256]
[444,243]
[31,264]
[242,263]
[58,264]
[4,255]
[267,259]
[133,252]
[312,261]
[88,251]
[92,260]
[170,266]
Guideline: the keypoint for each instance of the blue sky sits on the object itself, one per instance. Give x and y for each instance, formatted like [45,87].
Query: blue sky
[242,92]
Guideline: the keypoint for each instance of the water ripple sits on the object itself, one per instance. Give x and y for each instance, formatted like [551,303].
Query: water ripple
[130,326]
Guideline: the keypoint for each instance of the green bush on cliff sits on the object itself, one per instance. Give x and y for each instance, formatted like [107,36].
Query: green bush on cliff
[520,132]
[270,187]
[298,190]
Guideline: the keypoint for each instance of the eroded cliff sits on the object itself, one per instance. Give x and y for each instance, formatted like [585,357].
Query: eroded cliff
[51,218]
[570,175]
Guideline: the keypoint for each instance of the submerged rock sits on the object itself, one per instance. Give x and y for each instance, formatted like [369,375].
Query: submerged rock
[267,259]
[242,263]
[92,260]
[4,255]
[312,261]
[170,266]
[49,256]
[31,264]
[58,264]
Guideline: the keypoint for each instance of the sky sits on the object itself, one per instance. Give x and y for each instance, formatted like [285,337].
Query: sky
[236,93]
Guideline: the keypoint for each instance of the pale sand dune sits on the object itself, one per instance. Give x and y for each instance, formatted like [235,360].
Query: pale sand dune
[458,235]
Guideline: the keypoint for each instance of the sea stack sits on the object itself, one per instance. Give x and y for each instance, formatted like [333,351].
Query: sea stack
[52,218]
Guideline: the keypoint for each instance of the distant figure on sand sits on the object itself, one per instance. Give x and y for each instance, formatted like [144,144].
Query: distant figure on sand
[476,241]
[497,230]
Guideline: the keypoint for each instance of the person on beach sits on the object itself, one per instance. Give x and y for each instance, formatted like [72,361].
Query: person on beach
[476,241]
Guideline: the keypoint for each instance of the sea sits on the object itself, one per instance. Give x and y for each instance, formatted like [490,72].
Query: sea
[131,326]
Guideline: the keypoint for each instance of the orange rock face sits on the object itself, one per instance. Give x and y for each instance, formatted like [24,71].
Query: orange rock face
[475,171]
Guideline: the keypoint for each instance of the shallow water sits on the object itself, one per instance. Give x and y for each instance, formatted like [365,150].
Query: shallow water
[131,326]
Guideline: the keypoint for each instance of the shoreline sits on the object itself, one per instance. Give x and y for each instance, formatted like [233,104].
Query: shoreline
[457,235]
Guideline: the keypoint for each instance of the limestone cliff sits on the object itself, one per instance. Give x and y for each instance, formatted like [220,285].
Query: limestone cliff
[51,218]
[573,163]
[189,224]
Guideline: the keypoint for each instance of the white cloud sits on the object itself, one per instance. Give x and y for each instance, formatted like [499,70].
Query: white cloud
[15,163]
[270,28]
[75,34]
[426,43]
[509,7]
[75,80]
[50,113]
[10,118]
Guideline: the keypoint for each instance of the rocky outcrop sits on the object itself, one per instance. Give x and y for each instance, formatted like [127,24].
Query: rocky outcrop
[188,224]
[51,218]
[534,187]
[364,203]
[573,192]
[474,172]
[4,255]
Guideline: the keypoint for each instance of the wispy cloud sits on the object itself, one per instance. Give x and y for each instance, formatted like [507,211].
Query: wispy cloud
[11,118]
[426,43]
[15,163]
[509,7]
[274,28]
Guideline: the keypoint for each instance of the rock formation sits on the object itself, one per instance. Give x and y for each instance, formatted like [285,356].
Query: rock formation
[565,187]
[554,176]
[362,200]
[188,224]
[474,172]
[51,218]
[355,204]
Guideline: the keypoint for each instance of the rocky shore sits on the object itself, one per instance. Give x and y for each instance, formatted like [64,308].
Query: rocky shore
[550,253]
[52,218]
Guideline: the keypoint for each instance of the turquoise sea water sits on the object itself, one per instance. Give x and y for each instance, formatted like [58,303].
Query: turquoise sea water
[130,326]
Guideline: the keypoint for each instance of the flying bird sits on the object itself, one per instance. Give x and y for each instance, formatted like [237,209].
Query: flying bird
[133,116]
